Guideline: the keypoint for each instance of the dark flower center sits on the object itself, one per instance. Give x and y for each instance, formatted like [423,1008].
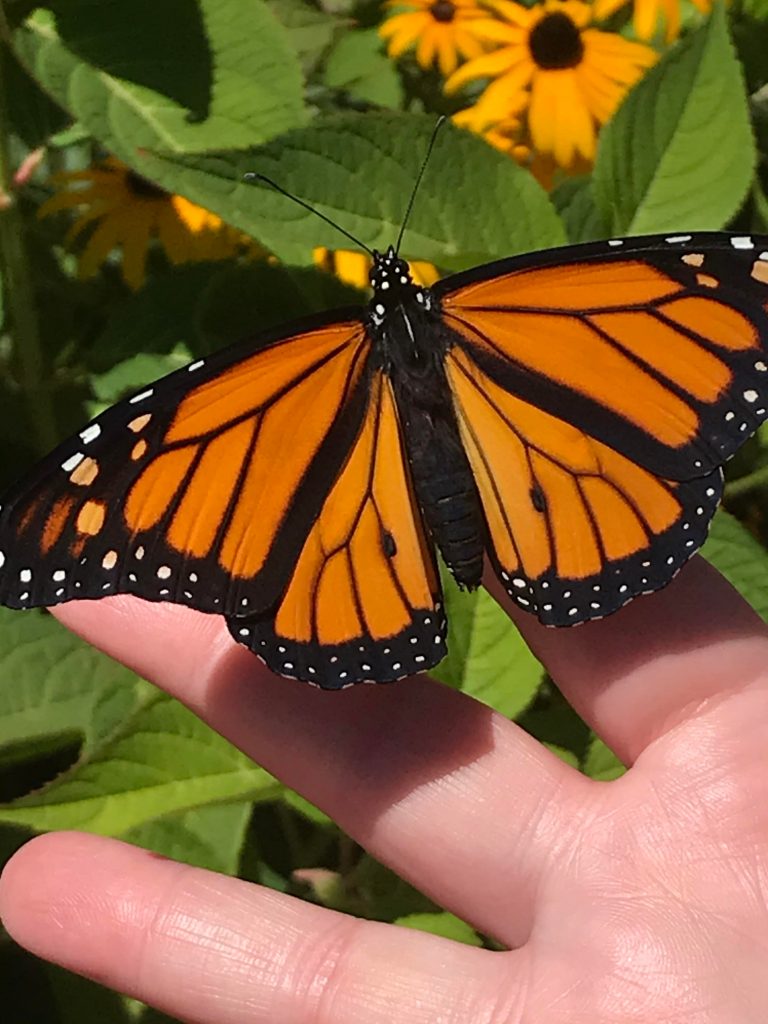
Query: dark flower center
[142,187]
[556,42]
[442,10]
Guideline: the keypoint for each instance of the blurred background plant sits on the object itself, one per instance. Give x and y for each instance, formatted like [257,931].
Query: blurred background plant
[131,243]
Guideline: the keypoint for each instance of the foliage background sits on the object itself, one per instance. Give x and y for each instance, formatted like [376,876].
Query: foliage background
[192,95]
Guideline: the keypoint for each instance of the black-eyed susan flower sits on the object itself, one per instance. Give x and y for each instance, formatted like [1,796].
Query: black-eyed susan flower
[352,267]
[127,212]
[646,15]
[571,76]
[437,28]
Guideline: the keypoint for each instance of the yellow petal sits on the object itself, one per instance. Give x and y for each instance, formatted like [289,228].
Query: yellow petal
[645,18]
[468,46]
[352,267]
[672,13]
[446,53]
[514,13]
[558,118]
[494,31]
[508,95]
[605,8]
[491,65]
[112,232]
[601,94]
[135,247]
[425,50]
[174,236]
[424,274]
[409,24]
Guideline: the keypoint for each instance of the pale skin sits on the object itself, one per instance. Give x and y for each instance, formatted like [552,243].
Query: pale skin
[640,900]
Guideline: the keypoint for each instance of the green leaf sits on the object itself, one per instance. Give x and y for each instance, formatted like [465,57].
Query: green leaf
[32,115]
[136,371]
[448,926]
[310,29]
[163,760]
[487,656]
[204,306]
[384,896]
[679,153]
[360,169]
[740,558]
[139,74]
[358,65]
[574,200]
[208,837]
[601,763]
[306,809]
[564,754]
[57,685]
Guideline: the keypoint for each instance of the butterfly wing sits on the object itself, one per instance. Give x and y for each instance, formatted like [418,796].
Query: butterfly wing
[598,392]
[199,490]
[364,601]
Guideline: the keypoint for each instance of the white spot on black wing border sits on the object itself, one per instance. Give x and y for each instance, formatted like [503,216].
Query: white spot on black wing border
[560,601]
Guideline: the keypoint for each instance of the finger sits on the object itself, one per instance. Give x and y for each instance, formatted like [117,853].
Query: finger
[207,948]
[436,785]
[640,672]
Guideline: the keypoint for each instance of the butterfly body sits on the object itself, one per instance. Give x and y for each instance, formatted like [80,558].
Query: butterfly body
[407,330]
[564,415]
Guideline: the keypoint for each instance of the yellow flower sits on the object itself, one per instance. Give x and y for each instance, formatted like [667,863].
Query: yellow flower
[441,28]
[352,267]
[127,212]
[647,13]
[572,77]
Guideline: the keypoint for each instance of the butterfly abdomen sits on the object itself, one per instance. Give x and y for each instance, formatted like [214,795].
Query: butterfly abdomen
[446,492]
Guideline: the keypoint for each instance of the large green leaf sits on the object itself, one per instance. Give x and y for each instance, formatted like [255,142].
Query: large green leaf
[474,204]
[358,65]
[53,684]
[208,837]
[679,153]
[172,75]
[163,760]
[311,29]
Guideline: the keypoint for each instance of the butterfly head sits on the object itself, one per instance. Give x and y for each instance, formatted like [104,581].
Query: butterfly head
[389,272]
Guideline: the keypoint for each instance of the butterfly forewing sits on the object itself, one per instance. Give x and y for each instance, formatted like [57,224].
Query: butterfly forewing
[198,490]
[654,347]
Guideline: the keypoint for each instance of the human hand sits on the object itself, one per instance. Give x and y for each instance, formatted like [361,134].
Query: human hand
[641,900]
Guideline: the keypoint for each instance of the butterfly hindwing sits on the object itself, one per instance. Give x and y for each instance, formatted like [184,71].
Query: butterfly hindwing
[576,529]
[198,490]
[364,600]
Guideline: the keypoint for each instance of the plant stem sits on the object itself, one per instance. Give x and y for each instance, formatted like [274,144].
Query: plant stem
[751,482]
[16,273]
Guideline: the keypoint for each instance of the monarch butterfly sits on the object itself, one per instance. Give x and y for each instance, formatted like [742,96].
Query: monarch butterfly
[566,414]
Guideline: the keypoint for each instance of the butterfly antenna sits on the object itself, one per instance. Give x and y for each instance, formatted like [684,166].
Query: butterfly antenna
[252,176]
[440,122]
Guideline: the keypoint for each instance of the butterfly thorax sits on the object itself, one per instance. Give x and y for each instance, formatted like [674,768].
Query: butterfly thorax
[410,343]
